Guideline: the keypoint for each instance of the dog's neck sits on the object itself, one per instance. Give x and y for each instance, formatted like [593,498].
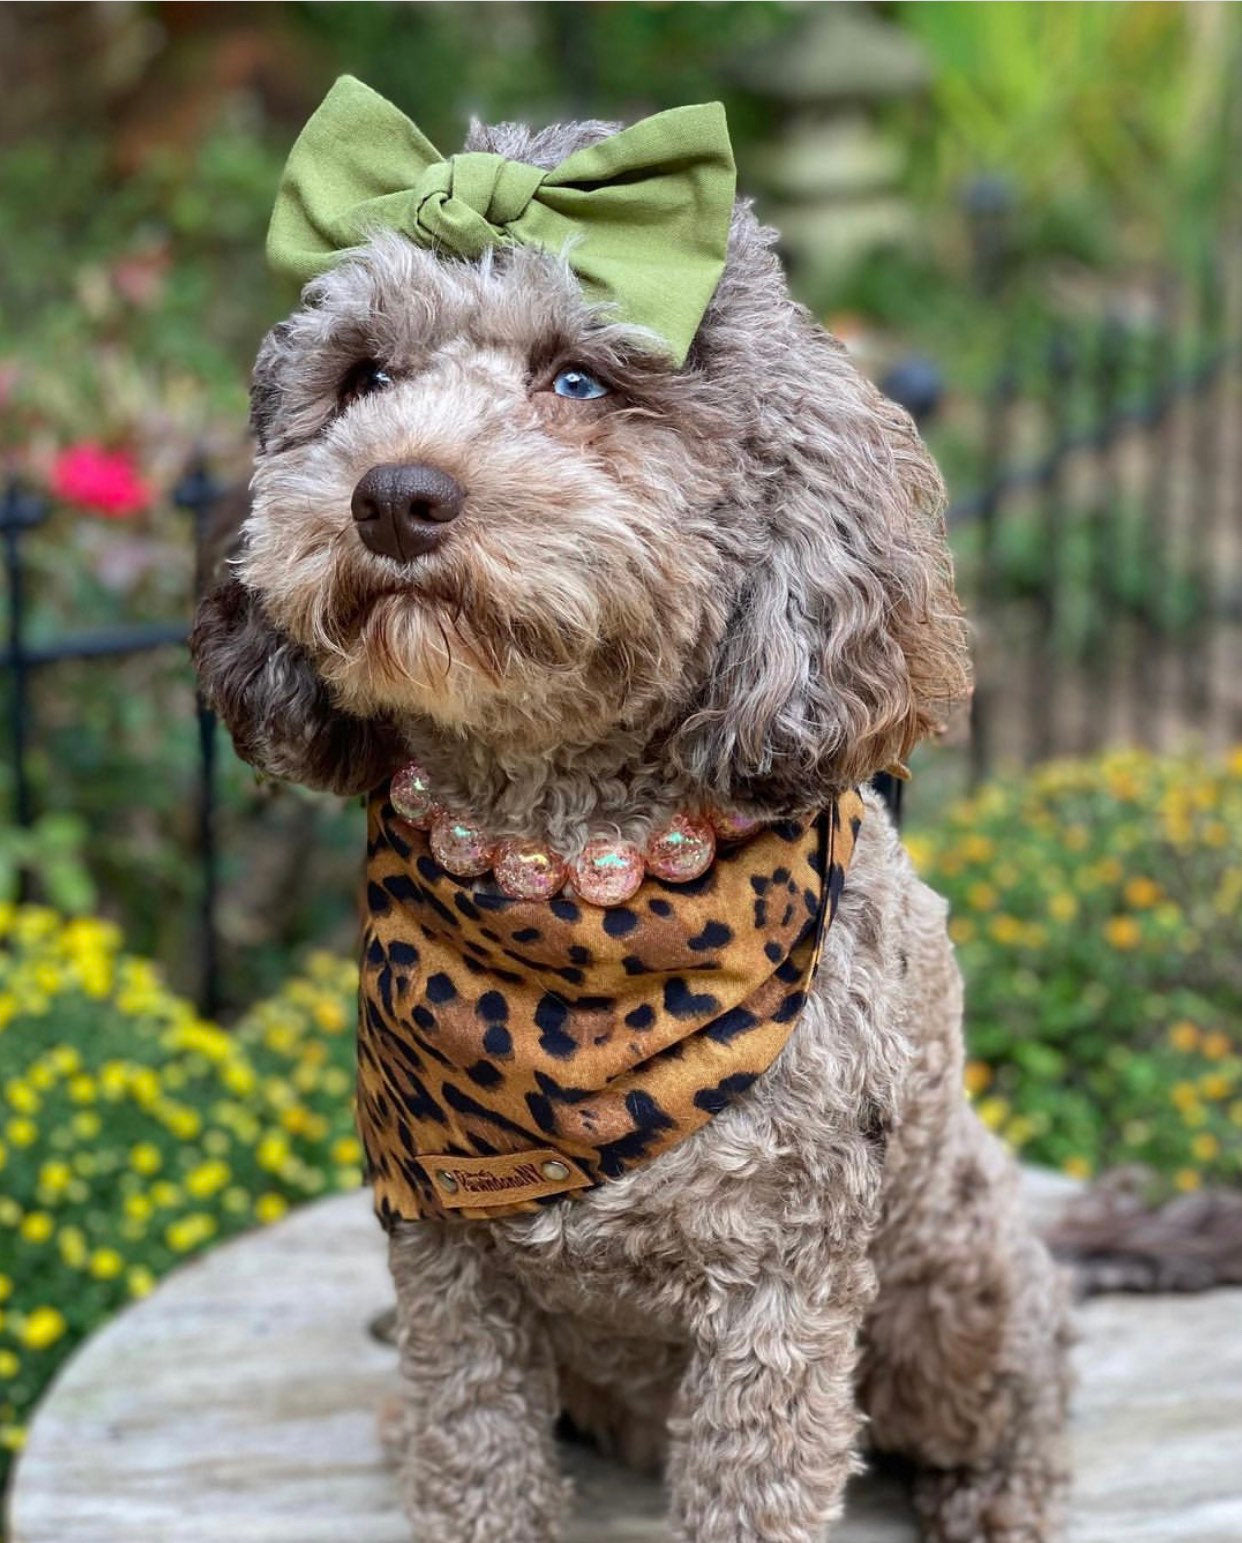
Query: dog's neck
[562,795]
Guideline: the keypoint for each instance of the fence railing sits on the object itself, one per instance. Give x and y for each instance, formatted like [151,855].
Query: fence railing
[1098,553]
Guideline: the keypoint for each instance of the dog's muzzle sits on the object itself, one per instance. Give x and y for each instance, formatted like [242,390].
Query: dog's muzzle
[402,511]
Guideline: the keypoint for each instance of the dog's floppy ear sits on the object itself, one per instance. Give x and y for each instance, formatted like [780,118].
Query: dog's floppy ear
[265,391]
[845,643]
[264,688]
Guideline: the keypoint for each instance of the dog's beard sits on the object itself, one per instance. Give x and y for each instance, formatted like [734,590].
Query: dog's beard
[459,641]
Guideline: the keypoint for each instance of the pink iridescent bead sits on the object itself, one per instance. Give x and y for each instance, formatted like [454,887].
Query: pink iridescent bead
[733,825]
[682,850]
[607,871]
[460,848]
[410,792]
[528,870]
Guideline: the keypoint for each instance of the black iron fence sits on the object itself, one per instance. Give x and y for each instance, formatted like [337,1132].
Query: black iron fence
[1099,552]
[1099,555]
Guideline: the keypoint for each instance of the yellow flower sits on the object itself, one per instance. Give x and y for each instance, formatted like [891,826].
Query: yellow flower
[981,897]
[10,1365]
[993,1112]
[22,1132]
[920,851]
[1142,893]
[1075,838]
[43,1327]
[1205,1146]
[6,1288]
[1216,1046]
[106,1264]
[1184,1035]
[183,1122]
[72,1244]
[12,1437]
[272,1151]
[337,1081]
[330,1015]
[37,1227]
[55,1176]
[207,1178]
[86,1124]
[1006,929]
[1123,932]
[83,1089]
[140,1281]
[166,1194]
[1187,1179]
[978,849]
[189,1231]
[22,1097]
[978,1076]
[1077,1167]
[239,1078]
[1235,1115]
[1063,907]
[145,1158]
[348,1149]
[1216,1085]
[270,1207]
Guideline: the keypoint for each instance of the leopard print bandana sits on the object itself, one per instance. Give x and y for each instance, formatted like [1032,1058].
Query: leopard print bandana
[511,1052]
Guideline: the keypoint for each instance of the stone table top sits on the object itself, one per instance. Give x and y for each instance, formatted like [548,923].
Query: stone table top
[237,1404]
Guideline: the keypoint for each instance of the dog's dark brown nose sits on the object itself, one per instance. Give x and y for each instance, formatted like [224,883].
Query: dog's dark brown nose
[401,511]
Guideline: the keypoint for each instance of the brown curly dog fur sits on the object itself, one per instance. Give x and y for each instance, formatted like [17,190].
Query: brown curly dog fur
[727,582]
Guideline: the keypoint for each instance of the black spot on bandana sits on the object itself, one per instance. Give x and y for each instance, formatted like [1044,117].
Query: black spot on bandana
[730,1024]
[684,1003]
[497,1040]
[713,935]
[550,1018]
[619,922]
[713,1100]
[440,988]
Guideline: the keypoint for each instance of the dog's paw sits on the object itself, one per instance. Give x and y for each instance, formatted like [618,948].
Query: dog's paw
[989,1505]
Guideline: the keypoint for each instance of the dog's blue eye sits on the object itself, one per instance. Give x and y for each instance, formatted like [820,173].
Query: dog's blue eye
[363,379]
[578,385]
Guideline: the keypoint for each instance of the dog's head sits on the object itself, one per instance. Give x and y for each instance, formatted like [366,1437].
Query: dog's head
[483,507]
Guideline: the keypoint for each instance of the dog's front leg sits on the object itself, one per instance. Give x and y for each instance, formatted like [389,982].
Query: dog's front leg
[478,1460]
[766,1419]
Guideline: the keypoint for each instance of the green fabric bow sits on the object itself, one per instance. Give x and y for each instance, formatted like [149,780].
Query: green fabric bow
[642,217]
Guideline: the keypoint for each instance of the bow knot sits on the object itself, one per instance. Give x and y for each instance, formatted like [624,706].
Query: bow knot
[467,202]
[642,217]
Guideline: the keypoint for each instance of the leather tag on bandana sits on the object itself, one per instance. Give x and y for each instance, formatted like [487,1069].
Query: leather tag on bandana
[504,1180]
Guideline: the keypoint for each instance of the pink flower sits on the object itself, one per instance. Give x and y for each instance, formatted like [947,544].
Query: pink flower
[105,481]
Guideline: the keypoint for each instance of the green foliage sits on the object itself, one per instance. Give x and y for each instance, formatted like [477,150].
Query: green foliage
[1096,909]
[51,853]
[1109,118]
[132,1134]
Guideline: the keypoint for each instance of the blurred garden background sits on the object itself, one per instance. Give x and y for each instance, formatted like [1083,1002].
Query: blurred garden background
[1024,221]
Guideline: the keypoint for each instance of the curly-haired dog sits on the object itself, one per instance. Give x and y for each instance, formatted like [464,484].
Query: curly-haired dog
[722,583]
